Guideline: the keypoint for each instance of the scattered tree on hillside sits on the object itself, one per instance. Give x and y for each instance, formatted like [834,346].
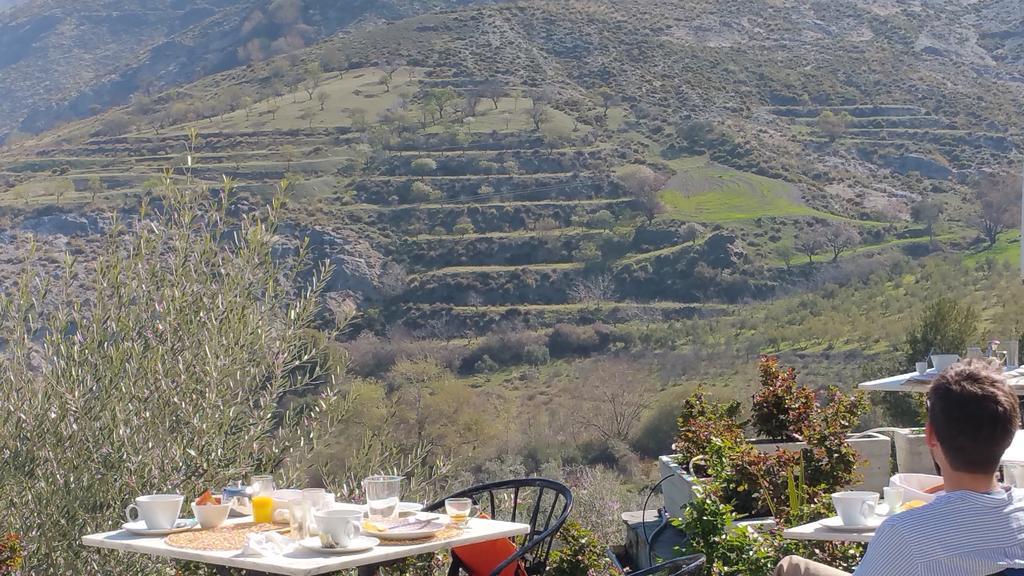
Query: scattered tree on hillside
[308,116]
[601,220]
[644,184]
[463,226]
[420,192]
[588,252]
[332,59]
[928,212]
[809,244]
[95,188]
[593,289]
[424,166]
[605,405]
[690,232]
[314,77]
[438,99]
[471,102]
[784,251]
[999,198]
[839,238]
[61,188]
[322,98]
[389,67]
[833,125]
[606,98]
[357,119]
[290,154]
[493,90]
[114,125]
[538,114]
[273,108]
[545,225]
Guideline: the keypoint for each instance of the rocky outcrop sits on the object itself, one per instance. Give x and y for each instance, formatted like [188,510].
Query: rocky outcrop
[907,163]
[62,225]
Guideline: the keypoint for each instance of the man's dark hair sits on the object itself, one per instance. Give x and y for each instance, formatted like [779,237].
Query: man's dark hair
[974,415]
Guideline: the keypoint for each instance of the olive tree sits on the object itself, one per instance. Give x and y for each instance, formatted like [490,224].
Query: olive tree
[644,185]
[998,197]
[170,376]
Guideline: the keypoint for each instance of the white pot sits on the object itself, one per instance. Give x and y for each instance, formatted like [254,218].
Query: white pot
[912,453]
[873,452]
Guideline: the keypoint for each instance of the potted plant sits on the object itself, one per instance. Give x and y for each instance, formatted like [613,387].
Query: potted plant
[790,423]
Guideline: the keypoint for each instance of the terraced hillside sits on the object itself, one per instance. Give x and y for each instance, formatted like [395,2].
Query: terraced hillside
[447,178]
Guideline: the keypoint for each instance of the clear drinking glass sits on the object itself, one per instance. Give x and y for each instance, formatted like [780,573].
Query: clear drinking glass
[382,496]
[299,513]
[460,510]
[317,498]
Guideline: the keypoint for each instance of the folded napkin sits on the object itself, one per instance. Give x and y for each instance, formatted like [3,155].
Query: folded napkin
[265,544]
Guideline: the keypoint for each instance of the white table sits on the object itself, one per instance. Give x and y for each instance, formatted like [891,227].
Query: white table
[299,561]
[914,382]
[816,531]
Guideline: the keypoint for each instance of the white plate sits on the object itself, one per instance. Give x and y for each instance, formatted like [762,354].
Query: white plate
[431,524]
[139,527]
[360,544]
[836,523]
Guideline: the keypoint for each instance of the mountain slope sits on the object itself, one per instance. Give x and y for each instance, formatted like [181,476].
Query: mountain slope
[62,59]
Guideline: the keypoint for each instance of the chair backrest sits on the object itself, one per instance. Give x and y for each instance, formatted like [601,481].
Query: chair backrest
[685,566]
[543,504]
[1012,572]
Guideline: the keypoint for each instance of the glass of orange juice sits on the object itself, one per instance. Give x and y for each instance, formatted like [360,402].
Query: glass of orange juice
[262,502]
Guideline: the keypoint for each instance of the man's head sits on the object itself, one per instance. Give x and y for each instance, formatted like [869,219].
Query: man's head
[972,417]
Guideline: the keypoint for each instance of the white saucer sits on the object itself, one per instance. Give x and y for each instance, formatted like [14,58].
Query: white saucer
[139,527]
[359,544]
[836,523]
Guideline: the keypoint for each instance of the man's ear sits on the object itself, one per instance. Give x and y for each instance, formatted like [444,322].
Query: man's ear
[929,436]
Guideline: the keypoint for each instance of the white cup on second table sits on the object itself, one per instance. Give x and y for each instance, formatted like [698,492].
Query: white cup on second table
[922,367]
[338,527]
[855,508]
[893,496]
[943,361]
[158,511]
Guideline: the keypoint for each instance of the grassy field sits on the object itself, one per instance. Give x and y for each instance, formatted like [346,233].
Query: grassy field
[1006,250]
[707,192]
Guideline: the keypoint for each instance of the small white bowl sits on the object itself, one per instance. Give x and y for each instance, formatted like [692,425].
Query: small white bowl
[211,516]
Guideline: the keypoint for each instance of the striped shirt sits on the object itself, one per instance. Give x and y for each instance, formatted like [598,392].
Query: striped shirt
[958,534]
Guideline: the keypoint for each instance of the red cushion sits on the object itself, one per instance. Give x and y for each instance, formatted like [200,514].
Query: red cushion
[482,558]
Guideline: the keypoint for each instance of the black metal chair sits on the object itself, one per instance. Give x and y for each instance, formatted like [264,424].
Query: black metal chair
[684,566]
[545,505]
[691,565]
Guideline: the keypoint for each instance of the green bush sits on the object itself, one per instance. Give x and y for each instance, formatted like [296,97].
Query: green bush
[536,355]
[568,340]
[11,554]
[579,553]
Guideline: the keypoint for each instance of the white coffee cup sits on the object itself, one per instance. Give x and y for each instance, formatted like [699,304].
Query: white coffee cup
[158,511]
[893,496]
[943,361]
[338,527]
[855,508]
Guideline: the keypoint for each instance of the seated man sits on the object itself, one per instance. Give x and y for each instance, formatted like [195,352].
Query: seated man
[977,527]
